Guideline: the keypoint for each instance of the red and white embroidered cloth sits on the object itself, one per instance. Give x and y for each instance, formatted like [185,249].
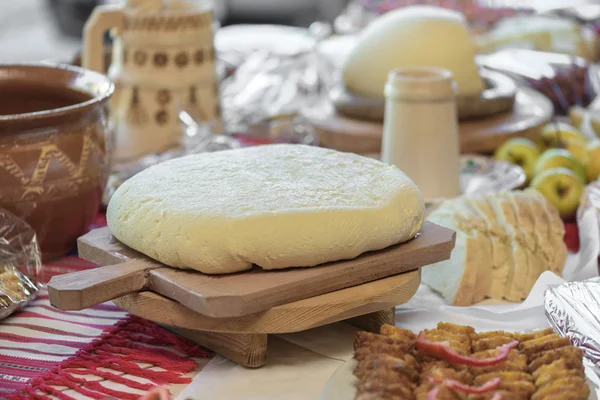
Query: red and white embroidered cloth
[98,353]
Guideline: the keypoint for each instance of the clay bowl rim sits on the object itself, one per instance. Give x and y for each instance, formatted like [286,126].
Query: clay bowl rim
[104,91]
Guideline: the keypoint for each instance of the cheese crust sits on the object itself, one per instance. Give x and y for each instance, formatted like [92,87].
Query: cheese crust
[275,206]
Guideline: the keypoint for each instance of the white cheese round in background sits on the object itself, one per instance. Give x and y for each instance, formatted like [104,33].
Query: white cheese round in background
[418,36]
[275,206]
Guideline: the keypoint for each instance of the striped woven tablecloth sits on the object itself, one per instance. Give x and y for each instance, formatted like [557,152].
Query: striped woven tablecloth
[97,353]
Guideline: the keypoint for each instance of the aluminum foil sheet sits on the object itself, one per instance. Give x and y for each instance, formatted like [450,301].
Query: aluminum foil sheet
[271,86]
[573,310]
[588,223]
[20,263]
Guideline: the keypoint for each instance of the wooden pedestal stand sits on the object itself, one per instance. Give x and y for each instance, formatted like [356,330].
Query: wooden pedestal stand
[233,314]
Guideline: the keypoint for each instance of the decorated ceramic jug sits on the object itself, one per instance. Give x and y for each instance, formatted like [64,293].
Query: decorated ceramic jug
[163,62]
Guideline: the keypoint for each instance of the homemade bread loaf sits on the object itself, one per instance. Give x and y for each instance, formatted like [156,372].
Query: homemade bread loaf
[409,37]
[275,206]
[504,243]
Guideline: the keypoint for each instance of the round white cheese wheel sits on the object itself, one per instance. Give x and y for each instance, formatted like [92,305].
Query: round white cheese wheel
[275,206]
[418,36]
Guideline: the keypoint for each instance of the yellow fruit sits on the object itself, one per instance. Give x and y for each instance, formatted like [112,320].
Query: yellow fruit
[562,187]
[592,166]
[520,151]
[577,149]
[558,158]
[557,134]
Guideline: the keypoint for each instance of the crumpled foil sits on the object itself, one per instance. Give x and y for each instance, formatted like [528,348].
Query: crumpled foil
[588,223]
[573,310]
[20,263]
[270,90]
[235,43]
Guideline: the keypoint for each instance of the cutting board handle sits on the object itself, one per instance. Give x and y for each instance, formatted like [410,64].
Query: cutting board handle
[84,289]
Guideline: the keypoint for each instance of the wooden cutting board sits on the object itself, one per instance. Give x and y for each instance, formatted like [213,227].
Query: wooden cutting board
[296,316]
[233,295]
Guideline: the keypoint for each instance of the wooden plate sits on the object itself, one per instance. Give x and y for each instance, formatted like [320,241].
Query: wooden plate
[498,97]
[531,111]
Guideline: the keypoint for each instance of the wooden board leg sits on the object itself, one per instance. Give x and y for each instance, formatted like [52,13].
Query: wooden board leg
[249,350]
[372,322]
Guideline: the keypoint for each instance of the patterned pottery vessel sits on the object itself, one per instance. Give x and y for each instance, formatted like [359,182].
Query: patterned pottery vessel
[163,62]
[53,149]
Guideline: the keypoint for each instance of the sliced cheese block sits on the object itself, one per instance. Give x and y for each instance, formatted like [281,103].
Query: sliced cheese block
[530,200]
[465,222]
[409,37]
[556,234]
[541,223]
[275,206]
[518,236]
[483,279]
[525,226]
[502,261]
[515,289]
[454,278]
[545,245]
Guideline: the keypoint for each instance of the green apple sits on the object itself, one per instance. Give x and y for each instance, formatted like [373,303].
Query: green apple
[557,134]
[592,166]
[520,151]
[556,158]
[562,187]
[576,148]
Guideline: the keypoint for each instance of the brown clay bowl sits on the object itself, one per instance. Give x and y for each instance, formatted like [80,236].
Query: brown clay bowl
[53,149]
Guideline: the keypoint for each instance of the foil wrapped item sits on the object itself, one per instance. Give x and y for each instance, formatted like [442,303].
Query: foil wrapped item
[588,223]
[235,43]
[573,310]
[271,89]
[20,263]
